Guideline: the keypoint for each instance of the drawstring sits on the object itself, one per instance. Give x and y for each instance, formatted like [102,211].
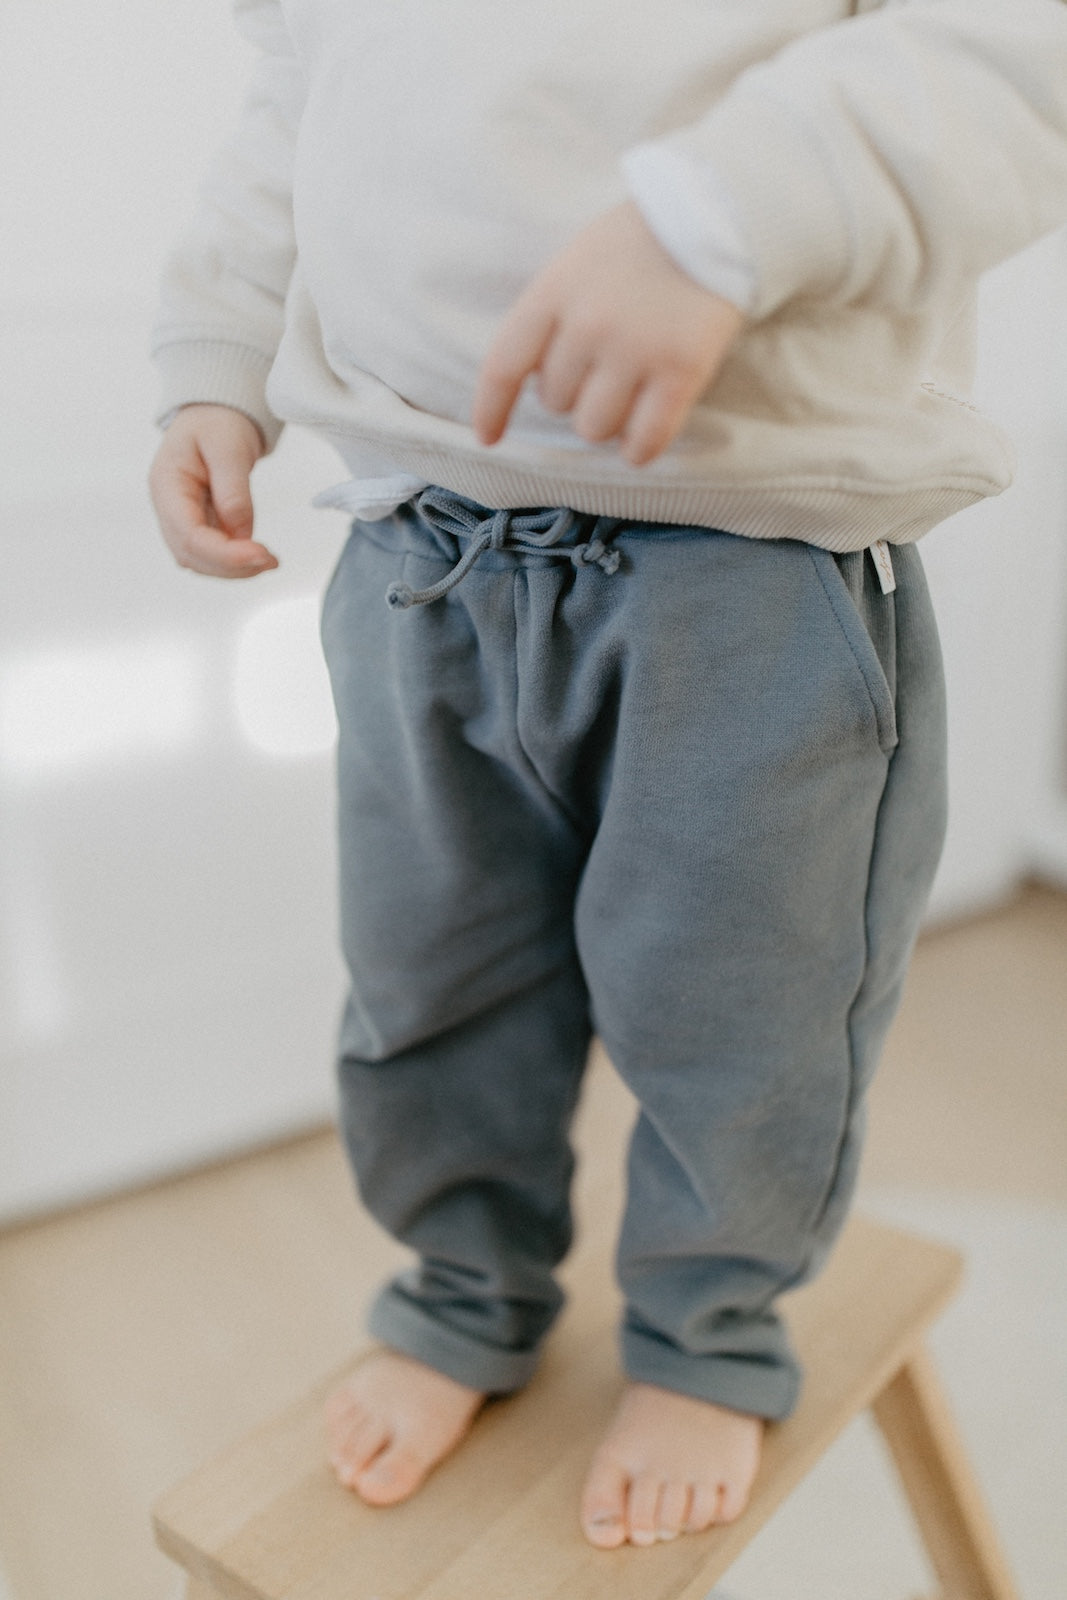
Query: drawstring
[532,533]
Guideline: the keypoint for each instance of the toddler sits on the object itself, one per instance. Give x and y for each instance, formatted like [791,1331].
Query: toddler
[640,706]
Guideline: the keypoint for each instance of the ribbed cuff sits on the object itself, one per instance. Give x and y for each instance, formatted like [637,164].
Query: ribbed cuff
[403,1325]
[216,372]
[766,1385]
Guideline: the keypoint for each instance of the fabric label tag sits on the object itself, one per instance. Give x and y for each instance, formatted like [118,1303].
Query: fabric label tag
[883,563]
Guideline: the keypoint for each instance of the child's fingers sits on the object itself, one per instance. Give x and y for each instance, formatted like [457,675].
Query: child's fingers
[515,353]
[228,475]
[184,506]
[564,367]
[199,483]
[215,554]
[200,488]
[658,415]
[604,404]
[675,383]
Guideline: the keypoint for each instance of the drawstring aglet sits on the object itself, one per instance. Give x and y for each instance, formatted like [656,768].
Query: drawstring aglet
[399,596]
[596,553]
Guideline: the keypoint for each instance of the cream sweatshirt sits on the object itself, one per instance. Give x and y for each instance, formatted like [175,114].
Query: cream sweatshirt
[402,168]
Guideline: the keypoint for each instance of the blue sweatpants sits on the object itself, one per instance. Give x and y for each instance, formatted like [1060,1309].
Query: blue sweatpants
[678,787]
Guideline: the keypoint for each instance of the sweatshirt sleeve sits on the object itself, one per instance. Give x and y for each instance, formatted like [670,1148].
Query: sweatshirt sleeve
[894,156]
[220,312]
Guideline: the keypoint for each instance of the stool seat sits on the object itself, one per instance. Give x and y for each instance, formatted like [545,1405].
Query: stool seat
[267,1520]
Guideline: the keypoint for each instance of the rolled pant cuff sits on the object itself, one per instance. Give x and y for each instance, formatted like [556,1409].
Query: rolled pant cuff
[761,1389]
[400,1324]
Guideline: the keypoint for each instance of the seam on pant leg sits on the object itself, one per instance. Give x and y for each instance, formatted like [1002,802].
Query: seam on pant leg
[531,771]
[813,1231]
[850,1029]
[815,1228]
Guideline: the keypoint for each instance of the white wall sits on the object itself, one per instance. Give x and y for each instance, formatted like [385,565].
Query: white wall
[168,976]
[999,577]
[169,984]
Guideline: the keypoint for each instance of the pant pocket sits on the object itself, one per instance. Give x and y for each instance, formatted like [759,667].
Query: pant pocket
[867,619]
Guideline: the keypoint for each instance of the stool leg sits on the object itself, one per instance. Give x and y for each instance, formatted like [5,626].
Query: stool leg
[914,1417]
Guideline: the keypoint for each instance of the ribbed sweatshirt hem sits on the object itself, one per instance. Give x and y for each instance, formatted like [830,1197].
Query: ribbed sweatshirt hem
[836,517]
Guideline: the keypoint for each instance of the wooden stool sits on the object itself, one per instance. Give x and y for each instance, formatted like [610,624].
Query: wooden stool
[266,1520]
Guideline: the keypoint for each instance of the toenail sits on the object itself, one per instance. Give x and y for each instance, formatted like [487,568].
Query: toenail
[665,1535]
[642,1536]
[608,1520]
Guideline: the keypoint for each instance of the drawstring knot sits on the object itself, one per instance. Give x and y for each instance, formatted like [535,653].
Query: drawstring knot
[531,533]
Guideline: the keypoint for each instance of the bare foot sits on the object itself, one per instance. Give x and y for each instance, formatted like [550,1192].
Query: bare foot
[668,1465]
[391,1422]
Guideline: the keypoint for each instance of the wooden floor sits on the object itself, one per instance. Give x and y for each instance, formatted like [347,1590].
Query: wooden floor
[972,1092]
[139,1334]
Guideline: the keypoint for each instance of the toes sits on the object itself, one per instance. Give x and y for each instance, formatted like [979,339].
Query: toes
[733,1499]
[392,1475]
[604,1506]
[673,1510]
[642,1508]
[703,1508]
[390,1424]
[715,1503]
[353,1451]
[354,1435]
[670,1464]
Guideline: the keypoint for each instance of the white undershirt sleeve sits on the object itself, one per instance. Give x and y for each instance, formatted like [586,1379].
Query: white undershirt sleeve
[693,216]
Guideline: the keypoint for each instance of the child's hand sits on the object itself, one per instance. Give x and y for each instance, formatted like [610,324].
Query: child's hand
[621,338]
[199,482]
